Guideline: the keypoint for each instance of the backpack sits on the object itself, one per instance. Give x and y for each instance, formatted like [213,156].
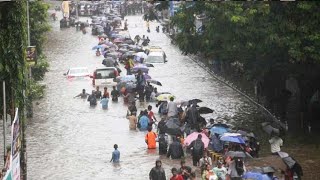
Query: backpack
[197,146]
[164,108]
[239,167]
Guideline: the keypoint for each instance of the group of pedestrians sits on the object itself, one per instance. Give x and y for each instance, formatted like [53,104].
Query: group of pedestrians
[97,95]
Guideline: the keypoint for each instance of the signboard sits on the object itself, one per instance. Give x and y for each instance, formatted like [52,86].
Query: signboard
[16,167]
[15,135]
[31,55]
[8,175]
[15,147]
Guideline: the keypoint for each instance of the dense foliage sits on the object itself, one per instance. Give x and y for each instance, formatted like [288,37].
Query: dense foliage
[13,39]
[258,34]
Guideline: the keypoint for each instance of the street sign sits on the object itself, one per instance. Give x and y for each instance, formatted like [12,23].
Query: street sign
[31,55]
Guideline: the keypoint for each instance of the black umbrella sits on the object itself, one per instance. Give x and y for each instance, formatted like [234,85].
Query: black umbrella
[196,100]
[268,169]
[289,161]
[239,154]
[149,65]
[172,126]
[152,81]
[205,110]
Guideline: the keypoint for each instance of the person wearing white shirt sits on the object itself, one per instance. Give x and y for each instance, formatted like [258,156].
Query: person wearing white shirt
[172,108]
[275,143]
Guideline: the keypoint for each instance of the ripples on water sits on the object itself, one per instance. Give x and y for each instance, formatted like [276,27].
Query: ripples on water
[69,140]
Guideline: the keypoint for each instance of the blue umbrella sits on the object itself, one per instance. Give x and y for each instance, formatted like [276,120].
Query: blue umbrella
[97,47]
[235,139]
[255,176]
[218,130]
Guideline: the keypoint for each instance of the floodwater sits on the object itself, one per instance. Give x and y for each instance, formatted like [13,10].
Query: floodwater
[67,139]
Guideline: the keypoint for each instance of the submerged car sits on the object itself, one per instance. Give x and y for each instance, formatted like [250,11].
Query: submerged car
[77,72]
[156,57]
[105,76]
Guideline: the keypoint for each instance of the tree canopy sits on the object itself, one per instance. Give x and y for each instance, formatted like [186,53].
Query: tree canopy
[260,35]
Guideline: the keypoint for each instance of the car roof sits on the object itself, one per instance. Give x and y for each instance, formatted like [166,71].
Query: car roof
[78,68]
[155,53]
[106,68]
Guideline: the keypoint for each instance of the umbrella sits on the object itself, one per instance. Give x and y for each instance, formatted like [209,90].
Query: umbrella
[118,40]
[109,62]
[98,47]
[144,69]
[142,55]
[242,132]
[123,50]
[268,169]
[283,154]
[164,97]
[146,76]
[255,176]
[221,124]
[239,154]
[123,45]
[196,100]
[117,19]
[218,130]
[205,110]
[148,65]
[172,126]
[193,136]
[269,129]
[152,81]
[235,139]
[289,161]
[126,78]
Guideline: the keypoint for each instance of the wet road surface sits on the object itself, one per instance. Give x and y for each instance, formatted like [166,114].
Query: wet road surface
[69,140]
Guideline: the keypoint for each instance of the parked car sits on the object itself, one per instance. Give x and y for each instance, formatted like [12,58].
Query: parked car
[105,76]
[77,72]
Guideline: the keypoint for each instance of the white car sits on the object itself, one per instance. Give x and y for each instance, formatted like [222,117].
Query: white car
[156,57]
[77,72]
[105,76]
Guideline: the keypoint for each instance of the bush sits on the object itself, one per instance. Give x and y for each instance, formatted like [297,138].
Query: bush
[39,70]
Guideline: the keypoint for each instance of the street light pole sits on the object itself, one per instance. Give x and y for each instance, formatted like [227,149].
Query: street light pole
[77,13]
[4,120]
[28,19]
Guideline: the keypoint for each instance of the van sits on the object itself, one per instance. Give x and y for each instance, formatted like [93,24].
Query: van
[105,77]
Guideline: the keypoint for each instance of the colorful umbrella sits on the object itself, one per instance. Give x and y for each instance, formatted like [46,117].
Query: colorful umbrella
[143,68]
[164,97]
[255,176]
[194,136]
[218,130]
[235,139]
[142,55]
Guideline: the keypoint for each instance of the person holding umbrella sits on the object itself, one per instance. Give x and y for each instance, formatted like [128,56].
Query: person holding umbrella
[197,149]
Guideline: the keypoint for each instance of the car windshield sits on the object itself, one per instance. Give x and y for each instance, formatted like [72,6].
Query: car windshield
[105,73]
[78,71]
[155,59]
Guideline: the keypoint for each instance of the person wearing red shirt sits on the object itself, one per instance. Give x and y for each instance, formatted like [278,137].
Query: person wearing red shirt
[175,175]
[151,116]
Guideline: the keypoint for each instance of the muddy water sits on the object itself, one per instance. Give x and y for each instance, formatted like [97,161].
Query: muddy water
[69,140]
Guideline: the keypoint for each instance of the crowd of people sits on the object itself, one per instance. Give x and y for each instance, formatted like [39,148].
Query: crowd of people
[228,162]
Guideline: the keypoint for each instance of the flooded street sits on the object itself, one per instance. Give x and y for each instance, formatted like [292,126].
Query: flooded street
[67,139]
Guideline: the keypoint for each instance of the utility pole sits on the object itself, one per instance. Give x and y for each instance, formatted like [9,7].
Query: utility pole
[29,43]
[77,13]
[4,120]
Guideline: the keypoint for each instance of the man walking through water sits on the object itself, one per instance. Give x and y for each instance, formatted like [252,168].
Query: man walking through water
[157,172]
[115,155]
[92,99]
[197,149]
